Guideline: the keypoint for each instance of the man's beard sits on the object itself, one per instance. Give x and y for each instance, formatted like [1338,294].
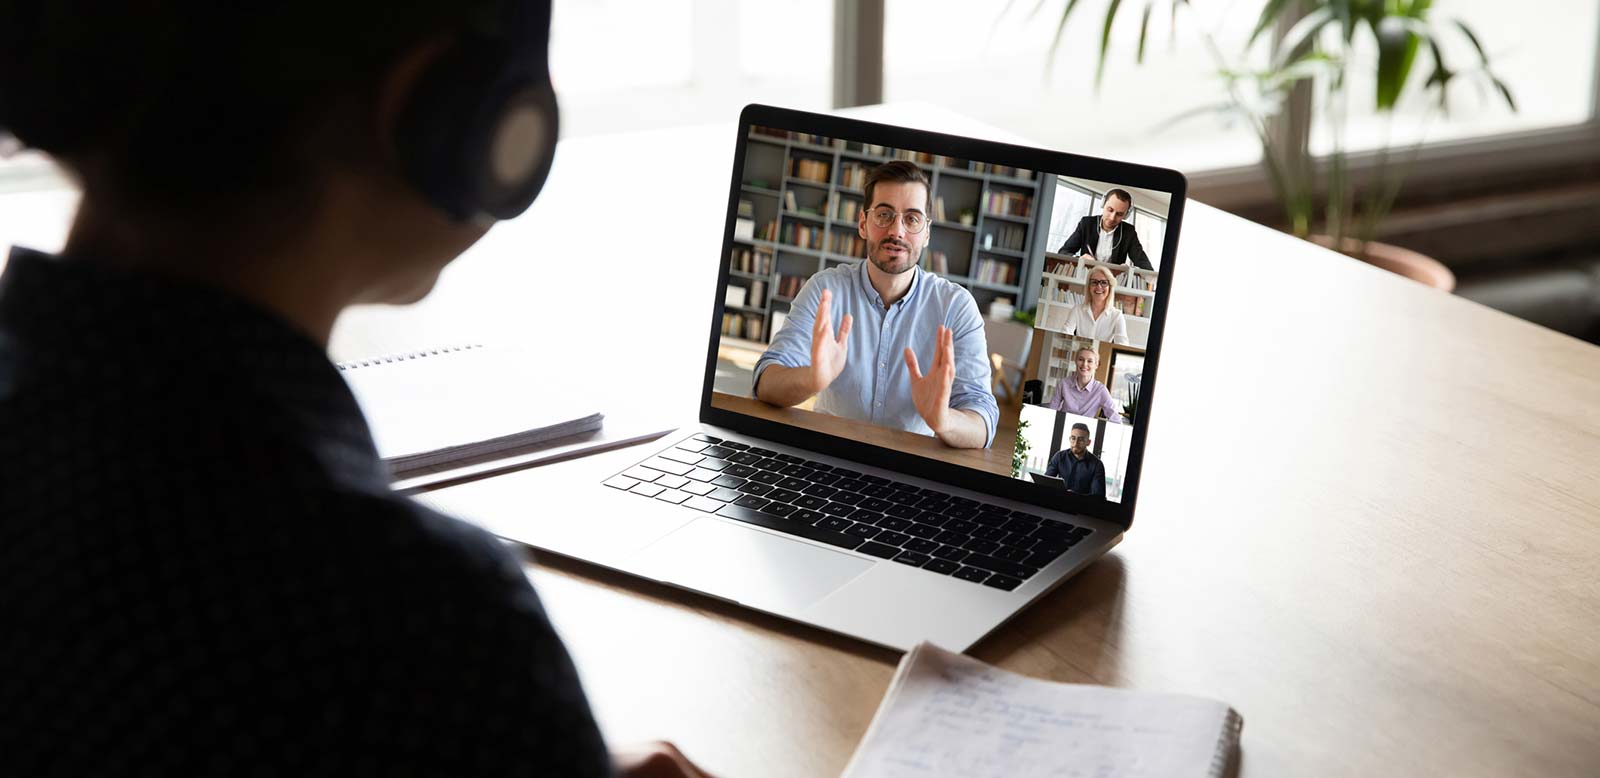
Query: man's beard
[910,257]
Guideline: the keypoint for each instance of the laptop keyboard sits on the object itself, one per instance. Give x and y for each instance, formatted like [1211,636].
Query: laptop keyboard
[941,533]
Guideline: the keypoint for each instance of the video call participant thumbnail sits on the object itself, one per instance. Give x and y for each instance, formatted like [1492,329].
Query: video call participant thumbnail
[1080,394]
[1108,238]
[871,372]
[1097,316]
[1082,471]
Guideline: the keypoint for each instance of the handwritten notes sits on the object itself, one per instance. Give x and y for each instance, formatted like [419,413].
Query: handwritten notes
[950,715]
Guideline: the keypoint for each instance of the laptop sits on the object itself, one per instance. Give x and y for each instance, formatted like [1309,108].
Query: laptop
[844,509]
[1048,480]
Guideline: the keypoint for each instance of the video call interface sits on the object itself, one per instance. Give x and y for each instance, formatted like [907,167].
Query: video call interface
[983,315]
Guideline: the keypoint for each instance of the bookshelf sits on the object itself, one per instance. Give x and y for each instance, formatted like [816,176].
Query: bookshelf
[1061,287]
[799,197]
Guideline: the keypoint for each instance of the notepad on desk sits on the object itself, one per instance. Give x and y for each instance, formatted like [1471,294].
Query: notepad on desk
[430,409]
[946,714]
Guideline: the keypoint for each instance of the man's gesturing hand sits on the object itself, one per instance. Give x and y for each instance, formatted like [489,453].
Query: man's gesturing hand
[827,351]
[931,392]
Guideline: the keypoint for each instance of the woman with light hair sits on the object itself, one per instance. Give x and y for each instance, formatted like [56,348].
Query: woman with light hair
[1097,316]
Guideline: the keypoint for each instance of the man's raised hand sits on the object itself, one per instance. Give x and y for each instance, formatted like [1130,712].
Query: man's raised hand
[827,351]
[930,393]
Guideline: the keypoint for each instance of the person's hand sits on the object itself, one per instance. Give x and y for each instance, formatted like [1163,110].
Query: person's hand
[655,760]
[1087,254]
[931,393]
[827,351]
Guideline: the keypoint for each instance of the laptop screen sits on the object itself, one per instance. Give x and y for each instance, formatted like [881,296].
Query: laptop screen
[939,302]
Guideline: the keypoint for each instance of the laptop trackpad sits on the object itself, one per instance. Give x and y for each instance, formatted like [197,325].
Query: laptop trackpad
[754,568]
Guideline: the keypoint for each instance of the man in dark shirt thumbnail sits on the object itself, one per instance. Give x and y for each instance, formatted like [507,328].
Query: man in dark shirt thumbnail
[1081,470]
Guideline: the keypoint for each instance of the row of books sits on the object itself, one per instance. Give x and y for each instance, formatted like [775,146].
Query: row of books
[935,261]
[793,205]
[751,260]
[845,207]
[789,286]
[1007,203]
[1065,295]
[847,243]
[1131,305]
[1011,237]
[853,174]
[808,169]
[742,325]
[741,296]
[1003,170]
[804,236]
[995,271]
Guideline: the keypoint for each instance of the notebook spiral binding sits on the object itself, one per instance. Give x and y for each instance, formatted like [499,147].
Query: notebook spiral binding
[403,356]
[1227,744]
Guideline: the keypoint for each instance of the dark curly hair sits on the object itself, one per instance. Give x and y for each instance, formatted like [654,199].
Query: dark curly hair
[175,103]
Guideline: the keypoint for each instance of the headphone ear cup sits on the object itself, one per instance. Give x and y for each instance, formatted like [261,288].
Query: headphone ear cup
[476,141]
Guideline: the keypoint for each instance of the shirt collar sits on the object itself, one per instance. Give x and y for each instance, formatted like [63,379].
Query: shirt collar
[872,292]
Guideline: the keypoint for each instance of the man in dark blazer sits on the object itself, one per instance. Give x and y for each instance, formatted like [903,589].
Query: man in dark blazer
[1080,470]
[1085,240]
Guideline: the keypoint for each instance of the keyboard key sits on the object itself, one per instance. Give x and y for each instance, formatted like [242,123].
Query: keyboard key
[667,466]
[911,558]
[766,452]
[865,516]
[1057,531]
[706,438]
[879,550]
[876,503]
[837,509]
[873,479]
[780,510]
[720,452]
[746,458]
[810,503]
[975,545]
[648,490]
[740,471]
[818,490]
[1081,531]
[962,502]
[673,496]
[929,503]
[755,488]
[681,456]
[824,478]
[734,444]
[766,478]
[672,481]
[877,490]
[951,553]
[844,472]
[848,498]
[932,519]
[621,482]
[995,520]
[995,565]
[1002,582]
[1011,554]
[724,494]
[729,481]
[905,500]
[808,517]
[835,523]
[782,495]
[819,466]
[704,476]
[894,523]
[790,458]
[694,447]
[793,484]
[1033,518]
[752,502]
[1019,524]
[769,465]
[922,530]
[703,504]
[697,488]
[864,531]
[941,566]
[951,536]
[961,511]
[987,533]
[921,546]
[892,538]
[903,512]
[991,508]
[718,465]
[798,471]
[961,526]
[1018,540]
[642,474]
[807,531]
[971,574]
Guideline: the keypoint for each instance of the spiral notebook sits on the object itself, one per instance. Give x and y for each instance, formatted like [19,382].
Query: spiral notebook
[946,714]
[431,409]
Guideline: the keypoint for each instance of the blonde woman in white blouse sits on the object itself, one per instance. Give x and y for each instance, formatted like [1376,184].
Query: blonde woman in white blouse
[1097,316]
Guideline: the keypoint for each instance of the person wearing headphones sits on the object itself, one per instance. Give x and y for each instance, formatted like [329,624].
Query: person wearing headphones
[1108,238]
[204,569]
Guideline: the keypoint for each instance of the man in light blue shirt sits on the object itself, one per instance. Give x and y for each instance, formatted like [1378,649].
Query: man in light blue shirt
[891,310]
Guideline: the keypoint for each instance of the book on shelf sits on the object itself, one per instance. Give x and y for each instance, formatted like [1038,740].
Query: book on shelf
[846,208]
[789,201]
[758,293]
[742,325]
[733,296]
[1061,265]
[808,169]
[744,229]
[769,231]
[946,714]
[1007,203]
[756,261]
[805,236]
[938,208]
[789,286]
[848,244]
[995,271]
[445,406]
[1011,237]
[937,262]
[853,174]
[747,209]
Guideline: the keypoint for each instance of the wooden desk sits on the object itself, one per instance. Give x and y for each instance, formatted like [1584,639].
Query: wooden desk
[1375,532]
[995,459]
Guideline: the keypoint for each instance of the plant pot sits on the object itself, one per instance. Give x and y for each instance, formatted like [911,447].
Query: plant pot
[1401,261]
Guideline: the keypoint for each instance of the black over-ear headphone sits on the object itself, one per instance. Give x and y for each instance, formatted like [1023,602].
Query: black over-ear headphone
[478,132]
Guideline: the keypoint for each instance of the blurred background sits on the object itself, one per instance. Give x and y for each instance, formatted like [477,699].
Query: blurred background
[1500,182]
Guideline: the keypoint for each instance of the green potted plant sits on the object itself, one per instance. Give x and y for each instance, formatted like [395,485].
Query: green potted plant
[1313,65]
[1019,450]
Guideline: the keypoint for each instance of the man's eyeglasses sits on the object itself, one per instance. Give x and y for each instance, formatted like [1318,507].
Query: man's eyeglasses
[1077,438]
[883,218]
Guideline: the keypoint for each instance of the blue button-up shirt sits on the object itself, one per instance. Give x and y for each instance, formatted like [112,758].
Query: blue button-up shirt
[875,385]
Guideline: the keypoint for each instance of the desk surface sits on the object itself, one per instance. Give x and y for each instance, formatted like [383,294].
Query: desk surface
[1375,533]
